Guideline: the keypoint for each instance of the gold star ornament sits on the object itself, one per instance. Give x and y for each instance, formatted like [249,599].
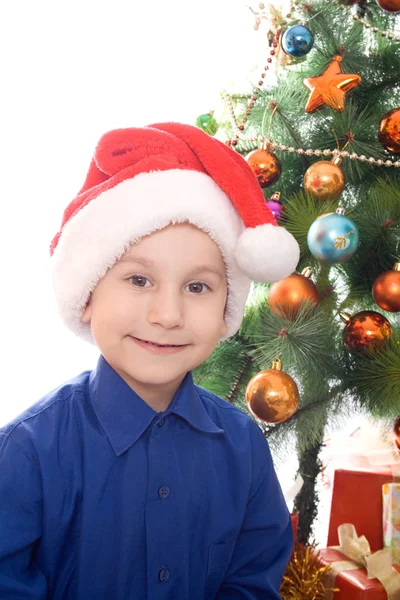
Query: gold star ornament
[330,88]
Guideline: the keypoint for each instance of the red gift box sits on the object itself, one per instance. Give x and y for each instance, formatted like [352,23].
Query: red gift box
[357,499]
[353,584]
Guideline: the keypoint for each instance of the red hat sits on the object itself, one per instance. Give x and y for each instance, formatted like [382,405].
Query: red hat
[142,179]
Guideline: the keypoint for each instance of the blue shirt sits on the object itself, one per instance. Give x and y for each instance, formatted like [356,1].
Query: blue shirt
[103,498]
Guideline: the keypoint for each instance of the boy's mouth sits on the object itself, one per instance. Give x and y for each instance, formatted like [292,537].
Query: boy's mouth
[160,345]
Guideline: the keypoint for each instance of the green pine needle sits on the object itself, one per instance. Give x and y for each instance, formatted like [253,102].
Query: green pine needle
[375,380]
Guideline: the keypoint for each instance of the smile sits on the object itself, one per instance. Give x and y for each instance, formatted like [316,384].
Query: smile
[157,348]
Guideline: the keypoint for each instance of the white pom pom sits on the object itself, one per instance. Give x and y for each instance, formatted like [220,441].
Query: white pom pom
[267,253]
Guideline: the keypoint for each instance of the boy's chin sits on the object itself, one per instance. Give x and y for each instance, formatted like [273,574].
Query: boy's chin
[158,374]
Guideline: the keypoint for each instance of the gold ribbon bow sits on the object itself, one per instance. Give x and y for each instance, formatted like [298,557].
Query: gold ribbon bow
[378,564]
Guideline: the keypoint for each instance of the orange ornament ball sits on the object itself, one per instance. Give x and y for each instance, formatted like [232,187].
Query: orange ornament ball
[389,131]
[287,296]
[386,290]
[389,5]
[272,396]
[396,436]
[265,166]
[396,430]
[366,331]
[397,448]
[324,180]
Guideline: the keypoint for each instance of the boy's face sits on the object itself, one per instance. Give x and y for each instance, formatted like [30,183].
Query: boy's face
[166,303]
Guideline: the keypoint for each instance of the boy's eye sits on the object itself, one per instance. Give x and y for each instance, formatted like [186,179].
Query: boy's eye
[137,279]
[196,286]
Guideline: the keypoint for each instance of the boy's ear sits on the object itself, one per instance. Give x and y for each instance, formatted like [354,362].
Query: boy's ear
[87,312]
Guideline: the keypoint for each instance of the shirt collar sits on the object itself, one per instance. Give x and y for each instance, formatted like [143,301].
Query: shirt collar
[125,416]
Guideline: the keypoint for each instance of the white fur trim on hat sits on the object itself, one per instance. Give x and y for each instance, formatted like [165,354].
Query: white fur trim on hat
[99,234]
[267,253]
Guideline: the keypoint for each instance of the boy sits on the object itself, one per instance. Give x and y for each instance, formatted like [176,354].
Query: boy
[129,482]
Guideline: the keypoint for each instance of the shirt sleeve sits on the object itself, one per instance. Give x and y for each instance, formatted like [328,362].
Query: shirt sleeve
[20,525]
[265,542]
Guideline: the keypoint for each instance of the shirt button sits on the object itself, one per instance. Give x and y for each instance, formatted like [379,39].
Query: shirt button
[163,575]
[163,491]
[161,422]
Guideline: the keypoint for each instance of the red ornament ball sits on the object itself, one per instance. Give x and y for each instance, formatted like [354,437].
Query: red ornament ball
[366,331]
[396,436]
[396,430]
[265,166]
[386,289]
[389,5]
[389,131]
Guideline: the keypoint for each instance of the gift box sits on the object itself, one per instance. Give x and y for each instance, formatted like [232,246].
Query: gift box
[355,573]
[357,499]
[391,519]
[352,584]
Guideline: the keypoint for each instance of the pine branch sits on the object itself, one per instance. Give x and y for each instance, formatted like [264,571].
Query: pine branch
[375,379]
[242,378]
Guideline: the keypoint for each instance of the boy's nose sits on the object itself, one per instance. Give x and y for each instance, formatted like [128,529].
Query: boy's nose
[167,310]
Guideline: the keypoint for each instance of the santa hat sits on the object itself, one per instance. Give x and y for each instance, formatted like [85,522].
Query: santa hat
[142,179]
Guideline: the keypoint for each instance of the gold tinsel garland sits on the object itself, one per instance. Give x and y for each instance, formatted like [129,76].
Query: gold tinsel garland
[304,577]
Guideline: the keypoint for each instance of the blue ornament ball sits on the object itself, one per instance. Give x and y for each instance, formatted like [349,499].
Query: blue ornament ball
[297,41]
[333,238]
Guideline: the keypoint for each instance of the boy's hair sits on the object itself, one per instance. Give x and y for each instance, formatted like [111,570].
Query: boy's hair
[142,179]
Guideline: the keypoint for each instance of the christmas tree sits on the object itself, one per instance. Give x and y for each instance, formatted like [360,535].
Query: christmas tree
[320,127]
